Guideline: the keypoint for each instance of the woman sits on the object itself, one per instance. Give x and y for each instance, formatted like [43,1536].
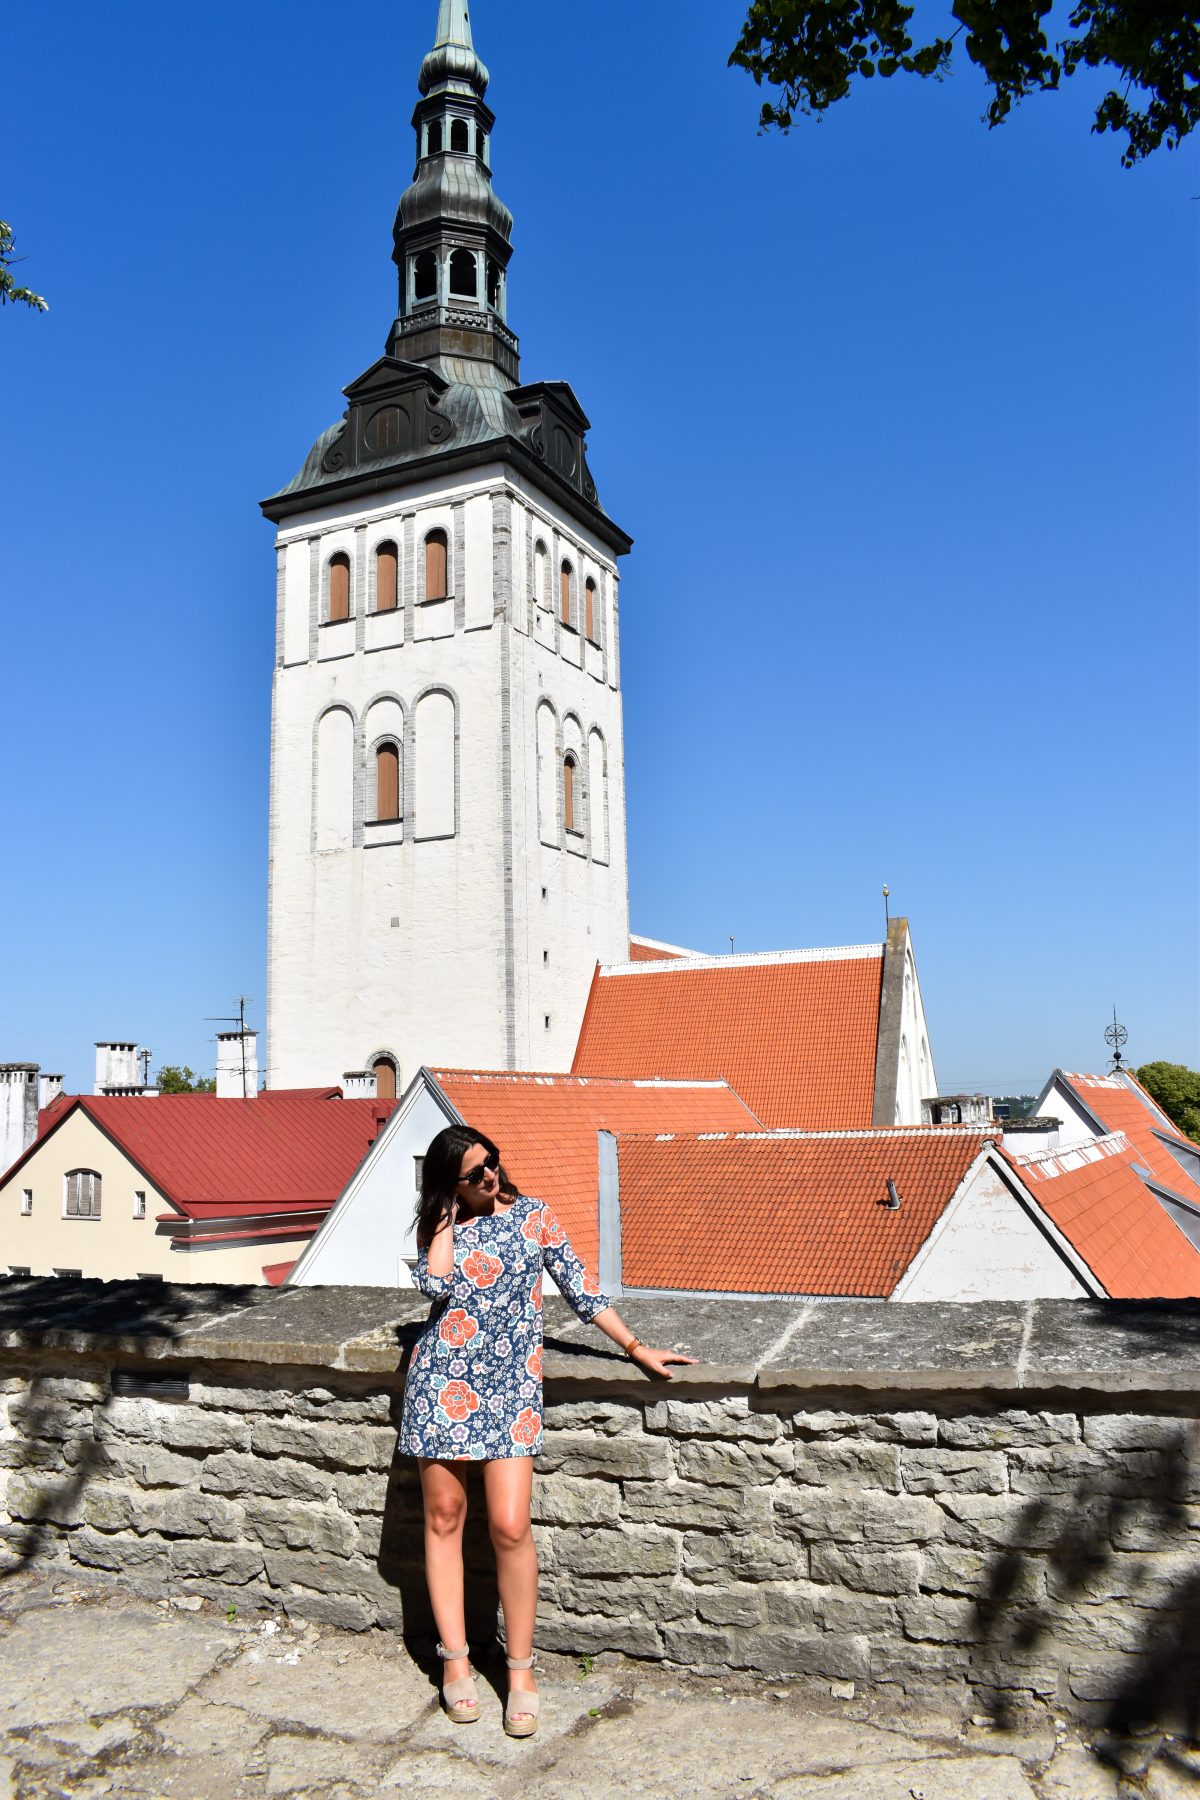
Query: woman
[474,1391]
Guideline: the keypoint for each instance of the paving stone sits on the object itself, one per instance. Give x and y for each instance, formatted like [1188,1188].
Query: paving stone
[295,1765]
[1075,1774]
[200,1726]
[381,1696]
[947,1778]
[76,1662]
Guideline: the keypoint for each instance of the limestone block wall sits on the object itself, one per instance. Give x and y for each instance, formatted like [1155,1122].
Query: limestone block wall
[994,1503]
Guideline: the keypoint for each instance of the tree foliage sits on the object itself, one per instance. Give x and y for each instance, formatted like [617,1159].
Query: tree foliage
[812,50]
[173,1079]
[1177,1090]
[8,283]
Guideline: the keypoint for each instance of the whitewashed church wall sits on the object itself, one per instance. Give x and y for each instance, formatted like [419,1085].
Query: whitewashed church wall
[917,1079]
[478,550]
[988,1245]
[296,602]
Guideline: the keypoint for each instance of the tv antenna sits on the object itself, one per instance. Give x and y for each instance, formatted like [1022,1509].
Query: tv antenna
[240,1022]
[1116,1037]
[144,1058]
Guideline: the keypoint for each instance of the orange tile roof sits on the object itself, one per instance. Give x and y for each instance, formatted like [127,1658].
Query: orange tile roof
[546,1128]
[221,1158]
[1093,1194]
[786,1213]
[794,1033]
[649,950]
[1121,1103]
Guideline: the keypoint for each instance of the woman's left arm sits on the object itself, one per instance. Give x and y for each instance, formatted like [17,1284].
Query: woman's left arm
[584,1297]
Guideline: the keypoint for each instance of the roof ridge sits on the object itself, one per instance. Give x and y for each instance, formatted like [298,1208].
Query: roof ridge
[748,959]
[1091,1150]
[548,1077]
[867,1134]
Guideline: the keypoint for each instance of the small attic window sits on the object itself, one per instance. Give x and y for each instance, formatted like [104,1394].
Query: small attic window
[425,276]
[460,136]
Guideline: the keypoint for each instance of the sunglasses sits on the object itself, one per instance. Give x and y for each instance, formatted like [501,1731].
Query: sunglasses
[489,1165]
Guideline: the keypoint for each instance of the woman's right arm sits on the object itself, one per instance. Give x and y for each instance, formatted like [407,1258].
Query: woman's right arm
[434,1272]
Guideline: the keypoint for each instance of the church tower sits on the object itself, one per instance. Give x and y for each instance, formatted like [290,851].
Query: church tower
[447,832]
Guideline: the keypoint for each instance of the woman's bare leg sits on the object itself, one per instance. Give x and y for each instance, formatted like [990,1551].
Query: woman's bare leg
[444,1491]
[508,1484]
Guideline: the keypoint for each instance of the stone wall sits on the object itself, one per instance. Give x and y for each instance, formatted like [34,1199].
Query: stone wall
[997,1502]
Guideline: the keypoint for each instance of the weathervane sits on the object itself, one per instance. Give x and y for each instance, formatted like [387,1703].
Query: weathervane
[1115,1036]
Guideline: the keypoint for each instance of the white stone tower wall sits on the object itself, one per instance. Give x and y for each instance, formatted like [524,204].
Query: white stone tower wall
[430,940]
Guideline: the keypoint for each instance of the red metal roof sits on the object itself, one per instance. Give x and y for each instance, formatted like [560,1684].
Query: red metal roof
[546,1128]
[794,1034]
[275,1274]
[1094,1195]
[224,1158]
[787,1213]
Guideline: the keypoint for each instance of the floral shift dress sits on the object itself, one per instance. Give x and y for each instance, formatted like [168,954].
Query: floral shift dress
[474,1385]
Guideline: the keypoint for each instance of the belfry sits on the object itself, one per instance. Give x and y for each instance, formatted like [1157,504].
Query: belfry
[447,823]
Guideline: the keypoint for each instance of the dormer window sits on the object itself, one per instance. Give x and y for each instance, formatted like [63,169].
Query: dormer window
[464,274]
[460,136]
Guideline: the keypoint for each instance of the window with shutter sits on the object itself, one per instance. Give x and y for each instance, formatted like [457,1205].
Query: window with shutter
[339,588]
[387,782]
[436,548]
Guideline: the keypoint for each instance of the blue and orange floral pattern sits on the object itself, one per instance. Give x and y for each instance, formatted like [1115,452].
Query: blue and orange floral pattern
[474,1386]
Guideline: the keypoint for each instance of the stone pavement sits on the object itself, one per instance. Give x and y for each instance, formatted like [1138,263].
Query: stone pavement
[104,1693]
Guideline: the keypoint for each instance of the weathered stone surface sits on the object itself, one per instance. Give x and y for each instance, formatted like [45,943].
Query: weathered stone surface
[951,1569]
[150,1465]
[871,1465]
[29,1498]
[199,1515]
[883,1428]
[848,1515]
[734,1605]
[234,1563]
[842,1610]
[52,1675]
[1012,1521]
[870,1569]
[640,1551]
[1011,1429]
[188,1428]
[733,1465]
[1138,1431]
[1075,1472]
[358,1493]
[296,1525]
[711,1556]
[941,1619]
[954,1472]
[350,1446]
[609,1418]
[275,1477]
[731,1419]
[659,1600]
[571,1500]
[575,1453]
[122,1552]
[689,1503]
[832,1657]
[363,1409]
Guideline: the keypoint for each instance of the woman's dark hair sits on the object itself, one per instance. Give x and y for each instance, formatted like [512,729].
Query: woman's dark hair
[439,1175]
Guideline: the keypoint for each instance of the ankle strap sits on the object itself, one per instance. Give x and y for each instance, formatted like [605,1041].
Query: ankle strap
[452,1655]
[521,1662]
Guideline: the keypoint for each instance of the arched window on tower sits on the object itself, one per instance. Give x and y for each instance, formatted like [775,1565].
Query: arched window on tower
[570,797]
[460,136]
[339,587]
[387,1077]
[425,276]
[493,284]
[589,610]
[541,574]
[387,782]
[480,144]
[436,548]
[387,565]
[435,137]
[464,275]
[564,589]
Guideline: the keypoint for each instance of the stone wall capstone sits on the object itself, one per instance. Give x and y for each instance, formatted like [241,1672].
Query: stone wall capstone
[999,1503]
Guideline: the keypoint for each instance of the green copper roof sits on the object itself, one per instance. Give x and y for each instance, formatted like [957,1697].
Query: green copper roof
[454,24]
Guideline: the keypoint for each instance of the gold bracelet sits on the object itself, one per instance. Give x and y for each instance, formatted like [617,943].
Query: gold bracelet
[633,1344]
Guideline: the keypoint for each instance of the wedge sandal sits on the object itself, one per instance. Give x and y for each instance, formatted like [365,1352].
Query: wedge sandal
[521,1708]
[459,1698]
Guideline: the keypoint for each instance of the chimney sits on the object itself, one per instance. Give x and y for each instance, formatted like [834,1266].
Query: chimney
[117,1069]
[18,1110]
[237,1065]
[49,1088]
[359,1084]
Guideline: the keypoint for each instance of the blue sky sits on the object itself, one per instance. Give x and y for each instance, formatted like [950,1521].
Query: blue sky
[900,412]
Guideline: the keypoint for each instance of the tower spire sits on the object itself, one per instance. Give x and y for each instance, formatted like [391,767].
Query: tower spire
[452,65]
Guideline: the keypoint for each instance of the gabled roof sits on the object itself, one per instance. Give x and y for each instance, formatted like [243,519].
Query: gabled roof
[546,1128]
[786,1212]
[1094,1194]
[216,1158]
[795,1033]
[1119,1102]
[643,949]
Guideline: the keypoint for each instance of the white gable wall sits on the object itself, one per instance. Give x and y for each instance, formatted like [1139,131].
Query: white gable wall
[987,1246]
